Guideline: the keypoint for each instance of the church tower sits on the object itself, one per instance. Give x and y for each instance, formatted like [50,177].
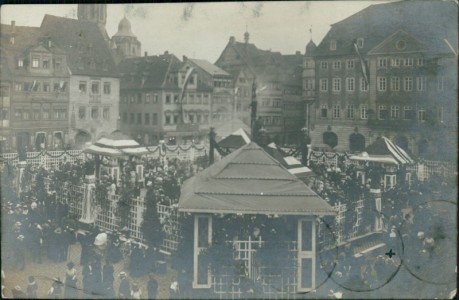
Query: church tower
[95,13]
[126,42]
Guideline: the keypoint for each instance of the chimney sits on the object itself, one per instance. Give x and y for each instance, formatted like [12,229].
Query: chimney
[13,26]
[246,37]
[146,53]
[166,52]
[185,58]
[298,53]
[232,40]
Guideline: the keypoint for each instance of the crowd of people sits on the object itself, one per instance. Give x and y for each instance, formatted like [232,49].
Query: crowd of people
[43,229]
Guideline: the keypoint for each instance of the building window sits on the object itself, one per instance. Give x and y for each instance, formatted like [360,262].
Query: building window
[168,99]
[408,62]
[18,86]
[309,84]
[324,111]
[36,114]
[395,62]
[95,113]
[206,99]
[421,83]
[350,84]
[95,87]
[154,119]
[382,62]
[35,62]
[82,87]
[57,63]
[25,115]
[155,98]
[420,61]
[400,45]
[337,65]
[408,84]
[324,85]
[147,119]
[206,118]
[360,42]
[350,64]
[20,63]
[36,86]
[45,63]
[395,83]
[336,84]
[82,112]
[333,45]
[199,99]
[147,98]
[336,111]
[408,113]
[394,112]
[421,115]
[382,112]
[60,114]
[139,98]
[176,98]
[190,98]
[350,111]
[324,65]
[45,114]
[125,117]
[132,120]
[18,114]
[363,85]
[363,112]
[139,118]
[107,88]
[106,113]
[382,84]
[440,83]
[168,119]
[46,87]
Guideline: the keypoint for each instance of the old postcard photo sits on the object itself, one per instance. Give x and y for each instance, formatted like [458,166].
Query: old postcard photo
[235,150]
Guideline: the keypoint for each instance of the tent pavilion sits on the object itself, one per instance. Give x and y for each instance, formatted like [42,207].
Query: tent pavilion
[112,150]
[384,153]
[235,140]
[291,163]
[251,182]
[229,127]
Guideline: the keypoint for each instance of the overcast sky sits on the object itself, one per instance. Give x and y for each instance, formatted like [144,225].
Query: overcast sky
[202,30]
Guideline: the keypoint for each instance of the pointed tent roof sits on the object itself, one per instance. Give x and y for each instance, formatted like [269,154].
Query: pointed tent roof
[384,151]
[235,140]
[292,164]
[115,145]
[250,181]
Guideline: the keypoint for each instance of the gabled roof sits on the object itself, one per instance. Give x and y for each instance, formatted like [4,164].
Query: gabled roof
[116,144]
[384,151]
[377,22]
[209,67]
[235,140]
[250,181]
[88,52]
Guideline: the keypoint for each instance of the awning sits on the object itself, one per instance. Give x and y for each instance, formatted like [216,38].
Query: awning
[384,151]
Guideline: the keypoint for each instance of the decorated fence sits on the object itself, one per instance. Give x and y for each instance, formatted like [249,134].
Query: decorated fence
[49,159]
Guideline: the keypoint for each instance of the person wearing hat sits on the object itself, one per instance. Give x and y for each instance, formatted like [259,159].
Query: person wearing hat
[136,292]
[32,288]
[18,293]
[71,290]
[124,291]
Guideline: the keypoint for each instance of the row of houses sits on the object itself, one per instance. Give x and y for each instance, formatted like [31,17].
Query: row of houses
[384,71]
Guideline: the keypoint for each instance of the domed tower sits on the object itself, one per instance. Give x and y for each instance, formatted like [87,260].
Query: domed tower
[95,13]
[126,42]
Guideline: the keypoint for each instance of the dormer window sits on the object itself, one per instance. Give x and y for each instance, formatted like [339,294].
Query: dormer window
[20,63]
[35,62]
[333,45]
[360,43]
[45,63]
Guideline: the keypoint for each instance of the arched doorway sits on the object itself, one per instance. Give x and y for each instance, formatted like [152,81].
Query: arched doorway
[330,138]
[402,142]
[58,140]
[356,142]
[40,141]
[81,138]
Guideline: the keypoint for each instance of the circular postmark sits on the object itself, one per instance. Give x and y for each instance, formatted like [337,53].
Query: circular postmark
[374,255]
[430,235]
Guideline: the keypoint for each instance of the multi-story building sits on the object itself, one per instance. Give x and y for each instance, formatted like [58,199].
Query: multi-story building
[94,84]
[35,90]
[388,70]
[278,87]
[222,103]
[151,107]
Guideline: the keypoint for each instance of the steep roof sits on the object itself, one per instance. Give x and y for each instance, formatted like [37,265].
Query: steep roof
[250,181]
[377,22]
[209,67]
[235,140]
[88,52]
[384,151]
[152,68]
